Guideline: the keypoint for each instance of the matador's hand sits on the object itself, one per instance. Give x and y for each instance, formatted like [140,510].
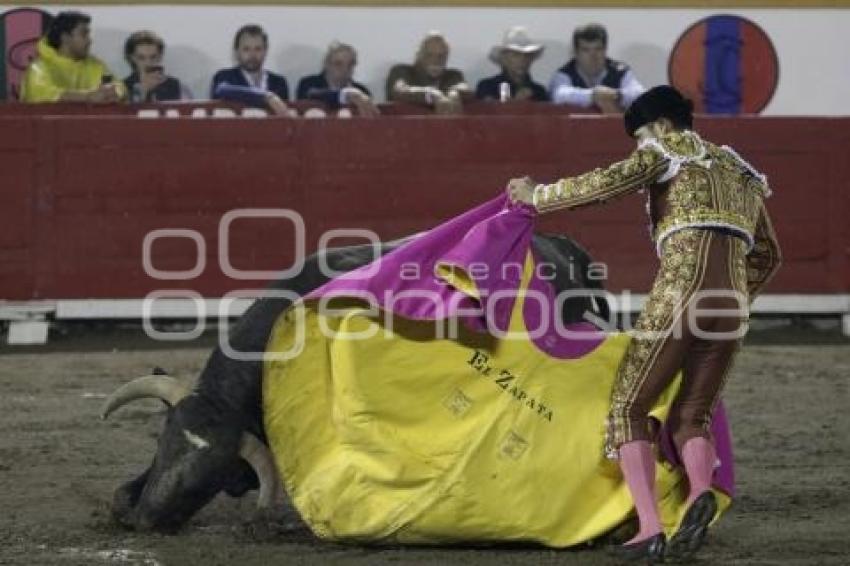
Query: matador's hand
[521,190]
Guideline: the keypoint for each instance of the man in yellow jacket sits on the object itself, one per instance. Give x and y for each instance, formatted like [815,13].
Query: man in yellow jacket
[64,71]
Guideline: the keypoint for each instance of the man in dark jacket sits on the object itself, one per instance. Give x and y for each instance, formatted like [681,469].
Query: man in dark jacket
[148,82]
[590,79]
[249,82]
[515,55]
[335,85]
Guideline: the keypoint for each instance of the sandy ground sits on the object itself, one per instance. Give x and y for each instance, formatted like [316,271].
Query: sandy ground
[788,405]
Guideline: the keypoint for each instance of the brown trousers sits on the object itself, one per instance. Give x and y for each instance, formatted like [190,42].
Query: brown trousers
[694,320]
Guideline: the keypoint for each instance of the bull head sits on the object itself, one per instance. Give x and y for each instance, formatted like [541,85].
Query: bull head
[200,453]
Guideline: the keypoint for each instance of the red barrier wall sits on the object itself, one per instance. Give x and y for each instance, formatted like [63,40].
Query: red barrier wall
[81,192]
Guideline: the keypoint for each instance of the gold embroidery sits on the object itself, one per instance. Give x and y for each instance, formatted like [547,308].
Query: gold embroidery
[764,259]
[684,264]
[641,167]
[706,187]
[705,219]
[715,191]
[712,187]
[684,144]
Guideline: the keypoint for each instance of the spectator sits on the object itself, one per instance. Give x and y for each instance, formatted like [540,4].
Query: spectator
[591,78]
[515,55]
[64,71]
[148,82]
[249,82]
[429,81]
[335,85]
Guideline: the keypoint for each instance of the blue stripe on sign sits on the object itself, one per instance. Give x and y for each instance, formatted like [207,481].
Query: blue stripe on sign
[723,65]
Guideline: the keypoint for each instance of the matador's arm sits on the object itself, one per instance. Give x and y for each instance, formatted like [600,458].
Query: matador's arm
[642,167]
[764,259]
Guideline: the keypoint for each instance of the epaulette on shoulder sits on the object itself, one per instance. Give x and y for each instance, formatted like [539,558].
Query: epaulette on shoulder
[686,144]
[678,148]
[755,173]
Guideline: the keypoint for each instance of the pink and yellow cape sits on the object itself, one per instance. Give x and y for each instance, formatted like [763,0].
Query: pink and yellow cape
[393,417]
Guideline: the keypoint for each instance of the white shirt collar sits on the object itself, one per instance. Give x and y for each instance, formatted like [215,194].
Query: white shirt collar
[264,79]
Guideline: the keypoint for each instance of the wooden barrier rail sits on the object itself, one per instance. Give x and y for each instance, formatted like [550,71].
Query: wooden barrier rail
[81,192]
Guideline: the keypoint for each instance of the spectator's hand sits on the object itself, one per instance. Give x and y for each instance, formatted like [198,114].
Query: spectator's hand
[521,190]
[276,105]
[450,104]
[361,101]
[524,93]
[607,99]
[104,94]
[150,78]
[443,105]
[605,94]
[610,108]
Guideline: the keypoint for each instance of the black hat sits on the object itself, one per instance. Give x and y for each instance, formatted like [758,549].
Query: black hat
[659,102]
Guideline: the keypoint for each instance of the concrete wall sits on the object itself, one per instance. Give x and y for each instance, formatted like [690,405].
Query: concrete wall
[812,43]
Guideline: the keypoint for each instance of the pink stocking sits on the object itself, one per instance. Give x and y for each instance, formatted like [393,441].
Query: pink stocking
[638,465]
[699,456]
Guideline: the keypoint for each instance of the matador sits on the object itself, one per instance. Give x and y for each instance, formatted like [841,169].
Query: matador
[717,250]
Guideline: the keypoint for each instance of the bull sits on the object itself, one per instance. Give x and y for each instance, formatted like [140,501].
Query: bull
[213,439]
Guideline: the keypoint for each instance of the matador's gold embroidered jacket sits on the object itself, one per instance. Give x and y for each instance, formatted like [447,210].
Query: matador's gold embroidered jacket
[691,183]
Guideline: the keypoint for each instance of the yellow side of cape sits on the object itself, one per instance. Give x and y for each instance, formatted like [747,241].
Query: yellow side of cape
[404,437]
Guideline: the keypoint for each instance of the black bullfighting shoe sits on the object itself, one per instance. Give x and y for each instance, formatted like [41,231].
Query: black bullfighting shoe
[691,533]
[650,550]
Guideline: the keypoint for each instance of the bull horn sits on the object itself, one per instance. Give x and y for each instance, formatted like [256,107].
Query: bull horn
[149,386]
[258,455]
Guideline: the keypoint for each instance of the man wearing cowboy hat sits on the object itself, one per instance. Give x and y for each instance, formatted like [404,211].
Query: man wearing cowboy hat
[591,79]
[515,55]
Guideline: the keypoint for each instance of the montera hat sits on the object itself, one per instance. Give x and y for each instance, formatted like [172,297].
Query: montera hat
[659,102]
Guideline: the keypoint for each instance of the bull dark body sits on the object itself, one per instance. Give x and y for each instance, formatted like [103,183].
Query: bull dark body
[227,396]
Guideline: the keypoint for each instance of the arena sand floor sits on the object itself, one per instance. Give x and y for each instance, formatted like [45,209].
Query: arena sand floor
[789,408]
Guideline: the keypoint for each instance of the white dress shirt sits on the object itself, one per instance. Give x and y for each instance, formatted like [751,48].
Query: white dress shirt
[562,90]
